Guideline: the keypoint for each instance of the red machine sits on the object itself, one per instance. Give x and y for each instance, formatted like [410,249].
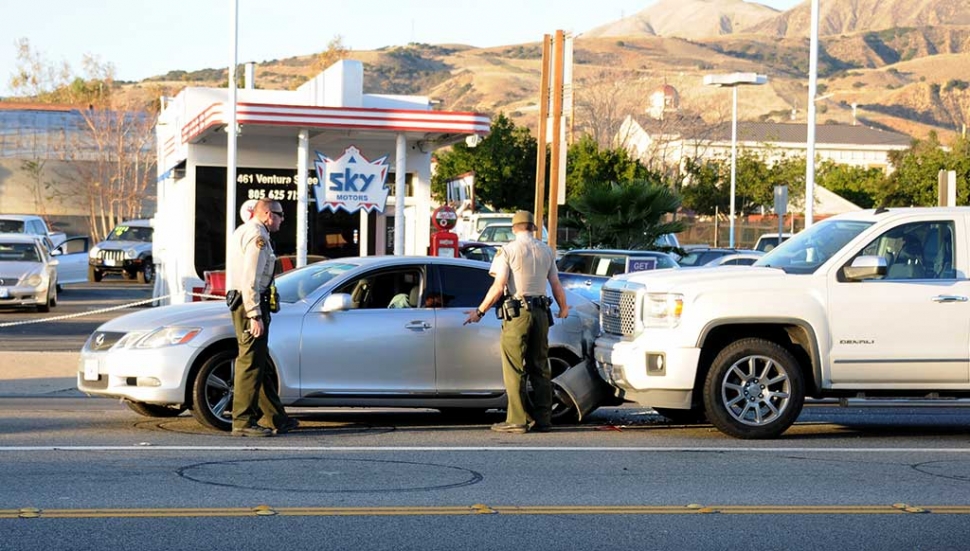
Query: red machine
[444,242]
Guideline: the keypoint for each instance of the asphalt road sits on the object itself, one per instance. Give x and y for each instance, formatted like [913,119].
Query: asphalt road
[89,474]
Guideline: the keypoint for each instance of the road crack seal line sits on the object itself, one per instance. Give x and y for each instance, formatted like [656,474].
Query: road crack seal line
[384,474]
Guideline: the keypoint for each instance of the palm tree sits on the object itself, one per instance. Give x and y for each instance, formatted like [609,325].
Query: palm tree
[624,216]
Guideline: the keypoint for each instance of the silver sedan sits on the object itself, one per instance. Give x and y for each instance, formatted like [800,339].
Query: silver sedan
[28,274]
[376,331]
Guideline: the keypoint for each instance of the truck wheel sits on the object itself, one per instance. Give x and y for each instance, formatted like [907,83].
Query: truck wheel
[693,416]
[754,389]
[94,274]
[147,272]
[212,391]
[153,410]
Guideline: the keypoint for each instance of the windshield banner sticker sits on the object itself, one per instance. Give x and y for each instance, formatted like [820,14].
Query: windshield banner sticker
[350,182]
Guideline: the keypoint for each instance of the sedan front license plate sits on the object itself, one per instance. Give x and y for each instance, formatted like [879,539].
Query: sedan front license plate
[90,370]
[4,292]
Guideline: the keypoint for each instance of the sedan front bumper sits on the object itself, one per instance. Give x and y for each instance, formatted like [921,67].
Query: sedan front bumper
[152,376]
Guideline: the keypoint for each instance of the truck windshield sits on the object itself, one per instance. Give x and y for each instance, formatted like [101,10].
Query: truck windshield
[806,251]
[131,233]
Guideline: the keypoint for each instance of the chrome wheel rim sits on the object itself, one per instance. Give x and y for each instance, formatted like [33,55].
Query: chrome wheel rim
[756,390]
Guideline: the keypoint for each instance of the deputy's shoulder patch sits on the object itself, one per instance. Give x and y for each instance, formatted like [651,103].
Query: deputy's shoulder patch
[260,243]
[499,252]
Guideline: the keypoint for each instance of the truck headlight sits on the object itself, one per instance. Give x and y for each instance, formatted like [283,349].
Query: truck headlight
[662,309]
[94,252]
[131,253]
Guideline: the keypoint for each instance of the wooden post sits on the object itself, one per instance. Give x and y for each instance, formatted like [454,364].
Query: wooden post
[558,51]
[541,152]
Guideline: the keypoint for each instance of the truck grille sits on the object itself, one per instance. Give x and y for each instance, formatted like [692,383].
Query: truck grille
[618,311]
[112,254]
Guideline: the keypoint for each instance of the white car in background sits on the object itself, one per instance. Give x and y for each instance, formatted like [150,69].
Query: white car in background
[383,331]
[28,274]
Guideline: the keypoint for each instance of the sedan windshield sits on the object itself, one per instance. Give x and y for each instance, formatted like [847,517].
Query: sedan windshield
[19,252]
[806,251]
[297,284]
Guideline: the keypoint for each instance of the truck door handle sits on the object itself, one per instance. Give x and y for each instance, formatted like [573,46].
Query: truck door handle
[949,298]
[418,324]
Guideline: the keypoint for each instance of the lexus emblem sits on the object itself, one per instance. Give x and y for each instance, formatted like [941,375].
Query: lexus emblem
[99,340]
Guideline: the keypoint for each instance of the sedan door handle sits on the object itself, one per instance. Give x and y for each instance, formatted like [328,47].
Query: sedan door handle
[589,282]
[949,298]
[418,324]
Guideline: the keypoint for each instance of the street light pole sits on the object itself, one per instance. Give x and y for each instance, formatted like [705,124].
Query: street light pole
[734,161]
[733,80]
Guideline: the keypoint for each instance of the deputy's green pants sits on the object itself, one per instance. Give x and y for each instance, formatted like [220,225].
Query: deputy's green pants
[525,356]
[254,390]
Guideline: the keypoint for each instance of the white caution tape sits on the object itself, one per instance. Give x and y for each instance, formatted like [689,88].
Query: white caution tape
[103,310]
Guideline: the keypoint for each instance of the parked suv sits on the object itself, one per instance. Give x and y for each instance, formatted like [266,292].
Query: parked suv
[127,251]
[584,271]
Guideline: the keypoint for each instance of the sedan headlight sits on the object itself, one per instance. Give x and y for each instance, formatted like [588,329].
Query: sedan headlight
[662,309]
[165,336]
[34,280]
[131,253]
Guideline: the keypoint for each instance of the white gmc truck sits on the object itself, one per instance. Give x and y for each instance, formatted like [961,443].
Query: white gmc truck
[871,304]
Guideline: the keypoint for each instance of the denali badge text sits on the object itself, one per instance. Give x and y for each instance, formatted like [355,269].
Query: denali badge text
[857,341]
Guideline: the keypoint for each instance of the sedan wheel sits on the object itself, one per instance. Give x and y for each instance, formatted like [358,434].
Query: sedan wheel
[212,391]
[754,389]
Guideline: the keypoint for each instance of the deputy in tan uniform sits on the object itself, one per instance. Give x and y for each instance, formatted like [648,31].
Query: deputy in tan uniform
[251,266]
[521,269]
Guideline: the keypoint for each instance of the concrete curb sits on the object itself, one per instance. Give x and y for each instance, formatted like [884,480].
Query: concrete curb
[37,373]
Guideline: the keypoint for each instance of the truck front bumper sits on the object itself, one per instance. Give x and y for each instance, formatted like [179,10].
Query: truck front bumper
[645,364]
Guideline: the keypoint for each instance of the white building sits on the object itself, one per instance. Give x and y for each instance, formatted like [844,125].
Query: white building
[280,135]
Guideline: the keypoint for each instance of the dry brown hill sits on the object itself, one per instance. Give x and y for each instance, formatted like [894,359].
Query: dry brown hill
[912,79]
[687,19]
[838,17]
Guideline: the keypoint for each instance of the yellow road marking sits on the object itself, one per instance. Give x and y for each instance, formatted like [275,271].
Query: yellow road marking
[478,509]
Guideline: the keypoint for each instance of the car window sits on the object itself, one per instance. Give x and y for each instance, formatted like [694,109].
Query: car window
[74,246]
[398,287]
[479,252]
[462,286]
[131,233]
[295,285]
[19,252]
[575,264]
[11,226]
[665,261]
[919,250]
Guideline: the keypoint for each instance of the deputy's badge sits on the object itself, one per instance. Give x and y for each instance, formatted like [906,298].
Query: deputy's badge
[260,243]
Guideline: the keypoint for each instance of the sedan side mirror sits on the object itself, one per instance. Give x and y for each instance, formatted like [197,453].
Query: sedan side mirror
[337,302]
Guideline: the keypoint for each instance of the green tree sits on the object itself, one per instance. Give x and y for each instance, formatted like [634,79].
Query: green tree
[914,182]
[628,215]
[587,162]
[857,184]
[504,164]
[705,191]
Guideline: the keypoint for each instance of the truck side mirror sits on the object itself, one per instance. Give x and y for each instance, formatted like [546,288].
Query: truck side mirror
[866,267]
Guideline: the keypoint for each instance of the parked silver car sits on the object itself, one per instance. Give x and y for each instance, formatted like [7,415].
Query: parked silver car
[375,331]
[28,273]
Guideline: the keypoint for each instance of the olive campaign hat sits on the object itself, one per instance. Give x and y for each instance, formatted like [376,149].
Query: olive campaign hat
[523,217]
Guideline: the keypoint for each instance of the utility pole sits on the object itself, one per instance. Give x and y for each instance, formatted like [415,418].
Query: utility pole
[541,152]
[558,49]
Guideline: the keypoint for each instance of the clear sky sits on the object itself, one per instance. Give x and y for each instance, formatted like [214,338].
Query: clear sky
[142,38]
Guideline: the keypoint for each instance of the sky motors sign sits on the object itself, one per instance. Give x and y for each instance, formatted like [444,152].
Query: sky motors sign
[350,182]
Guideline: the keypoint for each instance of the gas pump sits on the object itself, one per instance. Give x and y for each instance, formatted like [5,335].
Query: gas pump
[444,242]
